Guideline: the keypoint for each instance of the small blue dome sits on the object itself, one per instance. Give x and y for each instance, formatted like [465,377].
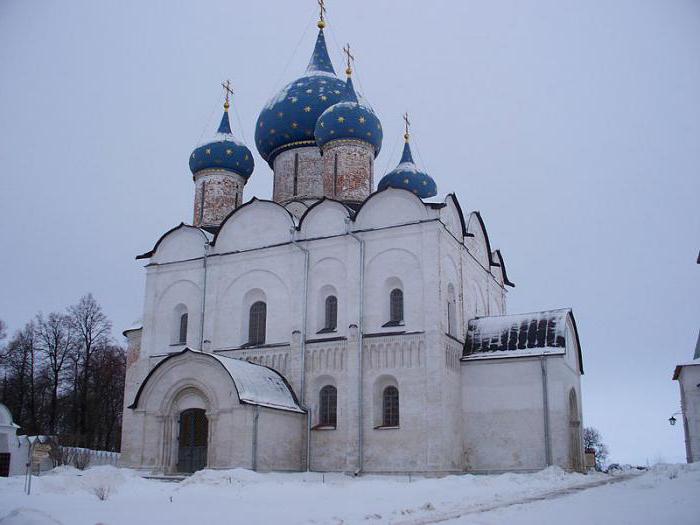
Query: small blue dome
[224,151]
[349,119]
[408,177]
[289,118]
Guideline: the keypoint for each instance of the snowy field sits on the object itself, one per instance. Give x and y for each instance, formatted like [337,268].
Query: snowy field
[665,494]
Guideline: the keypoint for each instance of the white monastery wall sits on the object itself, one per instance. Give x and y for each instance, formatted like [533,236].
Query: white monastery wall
[688,380]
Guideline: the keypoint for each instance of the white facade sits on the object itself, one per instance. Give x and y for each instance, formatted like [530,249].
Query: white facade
[395,241]
[688,377]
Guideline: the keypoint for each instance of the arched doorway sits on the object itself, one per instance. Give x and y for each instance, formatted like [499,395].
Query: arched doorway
[192,440]
[575,452]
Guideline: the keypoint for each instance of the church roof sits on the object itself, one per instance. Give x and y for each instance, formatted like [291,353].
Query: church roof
[255,384]
[695,361]
[520,335]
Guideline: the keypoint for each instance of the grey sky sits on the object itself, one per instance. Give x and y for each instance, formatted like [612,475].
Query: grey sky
[574,127]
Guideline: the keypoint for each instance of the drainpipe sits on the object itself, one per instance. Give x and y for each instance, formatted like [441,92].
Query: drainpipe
[545,409]
[360,330]
[256,415]
[292,231]
[204,297]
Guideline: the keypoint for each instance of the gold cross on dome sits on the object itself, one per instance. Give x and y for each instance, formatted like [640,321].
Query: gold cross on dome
[228,91]
[407,124]
[349,58]
[322,11]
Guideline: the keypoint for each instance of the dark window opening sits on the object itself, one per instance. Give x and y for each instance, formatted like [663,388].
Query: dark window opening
[183,329]
[256,323]
[331,318]
[390,407]
[296,172]
[328,406]
[396,306]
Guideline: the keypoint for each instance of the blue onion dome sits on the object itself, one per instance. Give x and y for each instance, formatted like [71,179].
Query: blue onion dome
[408,177]
[288,120]
[349,119]
[224,151]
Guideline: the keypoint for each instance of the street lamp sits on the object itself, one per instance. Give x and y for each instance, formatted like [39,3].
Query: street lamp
[672,420]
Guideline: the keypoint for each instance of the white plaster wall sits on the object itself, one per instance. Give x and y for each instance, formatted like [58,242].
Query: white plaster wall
[689,379]
[404,242]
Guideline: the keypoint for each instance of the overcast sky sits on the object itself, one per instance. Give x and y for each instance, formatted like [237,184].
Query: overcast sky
[573,126]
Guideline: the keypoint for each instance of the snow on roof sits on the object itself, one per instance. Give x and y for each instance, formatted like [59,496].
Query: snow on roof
[259,385]
[255,384]
[136,325]
[517,335]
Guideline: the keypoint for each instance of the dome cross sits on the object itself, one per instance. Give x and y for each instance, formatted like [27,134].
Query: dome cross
[407,124]
[349,58]
[228,92]
[321,14]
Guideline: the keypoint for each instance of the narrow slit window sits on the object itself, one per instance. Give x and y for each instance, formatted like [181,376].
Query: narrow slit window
[390,407]
[328,406]
[182,335]
[331,318]
[396,306]
[256,323]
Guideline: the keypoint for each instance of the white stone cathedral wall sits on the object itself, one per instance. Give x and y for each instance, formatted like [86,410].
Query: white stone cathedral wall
[690,398]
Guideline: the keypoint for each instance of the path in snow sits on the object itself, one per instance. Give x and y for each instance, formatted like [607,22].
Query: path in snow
[481,509]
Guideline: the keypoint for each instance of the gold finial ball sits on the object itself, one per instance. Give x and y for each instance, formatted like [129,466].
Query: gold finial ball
[321,24]
[405,136]
[226,105]
[348,71]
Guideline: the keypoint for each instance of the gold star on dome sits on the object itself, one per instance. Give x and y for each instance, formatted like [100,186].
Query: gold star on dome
[332,132]
[324,97]
[294,100]
[280,114]
[307,109]
[323,124]
[246,157]
[322,82]
[208,151]
[294,125]
[351,130]
[405,181]
[261,123]
[336,92]
[272,131]
[362,120]
[193,155]
[425,183]
[369,133]
[341,119]
[229,152]
[309,90]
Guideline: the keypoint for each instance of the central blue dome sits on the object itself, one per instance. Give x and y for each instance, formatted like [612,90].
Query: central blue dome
[289,118]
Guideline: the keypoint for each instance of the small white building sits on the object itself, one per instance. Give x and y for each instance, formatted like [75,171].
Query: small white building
[338,328]
[13,455]
[688,377]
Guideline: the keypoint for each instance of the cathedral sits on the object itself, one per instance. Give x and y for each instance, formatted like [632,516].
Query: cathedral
[339,327]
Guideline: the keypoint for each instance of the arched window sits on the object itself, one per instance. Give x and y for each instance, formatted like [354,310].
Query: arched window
[328,406]
[396,306]
[182,339]
[390,407]
[256,323]
[331,318]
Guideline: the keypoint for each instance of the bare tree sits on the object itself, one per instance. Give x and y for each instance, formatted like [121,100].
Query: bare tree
[593,440]
[93,331]
[19,366]
[3,330]
[56,341]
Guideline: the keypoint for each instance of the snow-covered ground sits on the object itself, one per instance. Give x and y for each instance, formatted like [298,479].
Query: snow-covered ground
[665,494]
